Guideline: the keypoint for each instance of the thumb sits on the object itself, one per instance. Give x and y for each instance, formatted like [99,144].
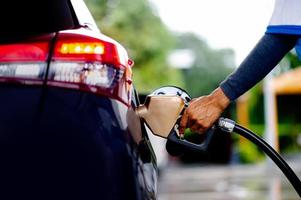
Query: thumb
[183,122]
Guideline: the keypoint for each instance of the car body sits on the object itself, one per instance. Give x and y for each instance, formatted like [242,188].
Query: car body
[68,127]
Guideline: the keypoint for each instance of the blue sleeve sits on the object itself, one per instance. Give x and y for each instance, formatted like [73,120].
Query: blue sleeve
[262,59]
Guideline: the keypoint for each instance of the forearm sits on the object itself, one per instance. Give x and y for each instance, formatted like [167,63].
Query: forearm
[262,59]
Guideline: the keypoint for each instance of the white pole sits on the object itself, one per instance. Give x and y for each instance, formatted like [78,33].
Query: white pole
[270,112]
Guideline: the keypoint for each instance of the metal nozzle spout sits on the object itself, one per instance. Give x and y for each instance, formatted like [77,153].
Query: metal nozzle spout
[161,113]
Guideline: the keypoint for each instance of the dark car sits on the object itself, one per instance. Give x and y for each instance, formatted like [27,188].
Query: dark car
[68,129]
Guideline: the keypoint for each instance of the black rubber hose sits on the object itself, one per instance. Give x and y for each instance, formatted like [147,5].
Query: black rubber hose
[285,168]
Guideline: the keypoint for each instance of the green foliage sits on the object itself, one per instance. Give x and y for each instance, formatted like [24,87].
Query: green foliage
[135,24]
[294,61]
[249,153]
[209,68]
[256,107]
[288,134]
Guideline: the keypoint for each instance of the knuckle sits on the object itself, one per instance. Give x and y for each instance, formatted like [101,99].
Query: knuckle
[193,117]
[206,125]
[200,122]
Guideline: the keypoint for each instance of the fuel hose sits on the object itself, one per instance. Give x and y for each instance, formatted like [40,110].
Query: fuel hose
[231,126]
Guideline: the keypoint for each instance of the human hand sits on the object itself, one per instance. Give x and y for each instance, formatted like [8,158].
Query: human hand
[203,111]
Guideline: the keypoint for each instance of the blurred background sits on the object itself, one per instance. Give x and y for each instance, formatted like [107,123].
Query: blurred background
[195,45]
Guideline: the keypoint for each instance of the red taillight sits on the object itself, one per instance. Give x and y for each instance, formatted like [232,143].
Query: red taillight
[86,63]
[78,60]
[74,47]
[35,52]
[24,62]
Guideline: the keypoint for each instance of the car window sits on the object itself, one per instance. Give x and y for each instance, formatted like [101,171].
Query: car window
[19,18]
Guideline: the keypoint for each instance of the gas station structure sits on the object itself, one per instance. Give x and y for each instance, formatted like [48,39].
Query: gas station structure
[288,83]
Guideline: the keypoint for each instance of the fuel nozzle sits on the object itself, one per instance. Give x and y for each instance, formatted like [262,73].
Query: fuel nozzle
[162,110]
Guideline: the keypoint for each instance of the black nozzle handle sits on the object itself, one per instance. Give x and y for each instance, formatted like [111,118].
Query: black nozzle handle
[180,144]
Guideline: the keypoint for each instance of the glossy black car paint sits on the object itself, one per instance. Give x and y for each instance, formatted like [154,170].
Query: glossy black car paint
[59,143]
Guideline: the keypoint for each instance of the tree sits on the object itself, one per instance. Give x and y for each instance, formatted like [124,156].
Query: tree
[135,24]
[210,66]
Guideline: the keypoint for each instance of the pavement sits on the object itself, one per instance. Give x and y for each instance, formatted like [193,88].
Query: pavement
[263,181]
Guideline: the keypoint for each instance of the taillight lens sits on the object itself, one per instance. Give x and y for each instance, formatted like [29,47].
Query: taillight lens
[85,63]
[81,73]
[76,59]
[77,48]
[24,63]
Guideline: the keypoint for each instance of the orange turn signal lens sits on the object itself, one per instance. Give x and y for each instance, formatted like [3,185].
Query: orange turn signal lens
[82,48]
